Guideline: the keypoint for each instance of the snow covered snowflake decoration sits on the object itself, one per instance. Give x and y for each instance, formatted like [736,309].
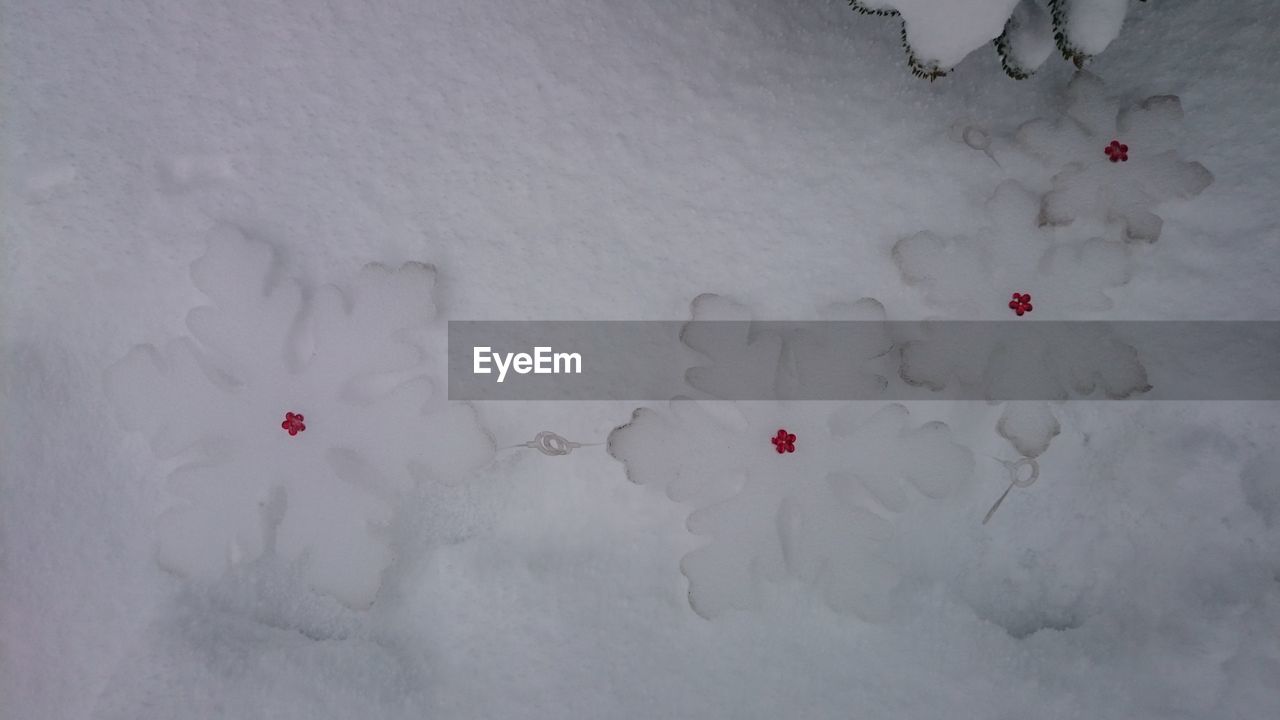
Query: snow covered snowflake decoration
[293,423]
[1117,151]
[368,358]
[1088,188]
[784,442]
[1021,304]
[1071,276]
[824,521]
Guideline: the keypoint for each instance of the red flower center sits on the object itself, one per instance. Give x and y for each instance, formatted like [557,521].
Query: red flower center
[1117,151]
[784,442]
[293,423]
[1021,304]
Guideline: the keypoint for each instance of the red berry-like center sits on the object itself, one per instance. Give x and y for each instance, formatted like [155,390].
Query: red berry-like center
[293,423]
[784,442]
[1020,304]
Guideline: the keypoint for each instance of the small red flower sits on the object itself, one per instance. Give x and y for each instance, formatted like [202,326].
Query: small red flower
[293,423]
[1021,303]
[1117,151]
[784,442]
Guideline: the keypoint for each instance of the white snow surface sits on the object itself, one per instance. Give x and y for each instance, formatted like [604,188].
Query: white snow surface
[612,160]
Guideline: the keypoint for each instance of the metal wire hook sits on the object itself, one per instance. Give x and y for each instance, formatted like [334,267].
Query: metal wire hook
[1015,481]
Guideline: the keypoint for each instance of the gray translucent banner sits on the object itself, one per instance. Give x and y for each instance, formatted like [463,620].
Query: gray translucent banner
[864,360]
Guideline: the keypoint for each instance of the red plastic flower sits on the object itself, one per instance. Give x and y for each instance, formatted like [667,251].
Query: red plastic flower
[1021,303]
[293,423]
[1117,151]
[784,442]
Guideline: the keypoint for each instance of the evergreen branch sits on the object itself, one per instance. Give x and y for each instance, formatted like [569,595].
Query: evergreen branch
[861,9]
[1058,11]
[925,70]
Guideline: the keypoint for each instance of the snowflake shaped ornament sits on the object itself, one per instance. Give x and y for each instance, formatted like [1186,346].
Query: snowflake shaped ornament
[1112,165]
[969,278]
[972,278]
[965,279]
[321,493]
[773,511]
[820,515]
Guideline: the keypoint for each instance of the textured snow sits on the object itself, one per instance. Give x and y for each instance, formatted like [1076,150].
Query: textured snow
[1261,480]
[609,160]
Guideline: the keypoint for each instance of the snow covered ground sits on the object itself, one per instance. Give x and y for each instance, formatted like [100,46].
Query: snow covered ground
[612,160]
